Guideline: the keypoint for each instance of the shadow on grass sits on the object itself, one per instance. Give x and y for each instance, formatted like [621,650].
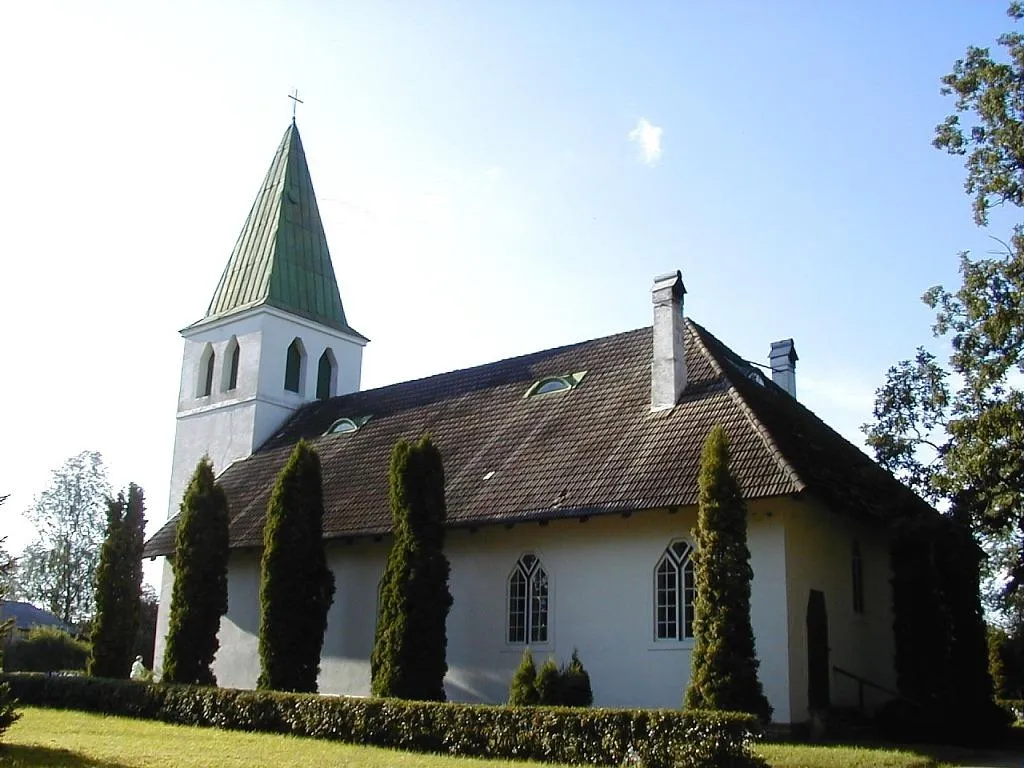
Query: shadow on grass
[20,756]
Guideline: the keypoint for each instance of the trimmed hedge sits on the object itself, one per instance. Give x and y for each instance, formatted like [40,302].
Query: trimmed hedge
[653,738]
[46,649]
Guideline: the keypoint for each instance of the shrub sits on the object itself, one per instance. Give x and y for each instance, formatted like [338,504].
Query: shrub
[568,686]
[576,690]
[549,684]
[8,712]
[711,741]
[523,691]
[548,734]
[46,649]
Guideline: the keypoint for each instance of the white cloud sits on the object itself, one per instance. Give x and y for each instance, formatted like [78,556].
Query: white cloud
[648,136]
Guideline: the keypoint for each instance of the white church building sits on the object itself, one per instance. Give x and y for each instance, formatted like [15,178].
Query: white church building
[571,486]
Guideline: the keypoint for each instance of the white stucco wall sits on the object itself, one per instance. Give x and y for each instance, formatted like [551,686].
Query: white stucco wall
[601,601]
[819,547]
[228,425]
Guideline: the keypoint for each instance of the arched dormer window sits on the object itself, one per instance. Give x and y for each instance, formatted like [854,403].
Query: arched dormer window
[293,366]
[232,354]
[206,363]
[325,375]
[674,591]
[528,601]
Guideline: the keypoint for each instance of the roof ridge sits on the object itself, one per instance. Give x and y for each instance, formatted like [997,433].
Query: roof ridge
[494,363]
[762,431]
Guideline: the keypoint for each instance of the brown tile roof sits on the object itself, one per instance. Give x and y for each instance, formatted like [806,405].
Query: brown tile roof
[595,449]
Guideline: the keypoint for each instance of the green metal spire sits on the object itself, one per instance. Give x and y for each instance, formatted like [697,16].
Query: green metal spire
[281,257]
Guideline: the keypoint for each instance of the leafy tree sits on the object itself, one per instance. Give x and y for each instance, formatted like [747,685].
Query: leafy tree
[8,710]
[724,662]
[523,691]
[199,596]
[297,587]
[119,587]
[990,93]
[408,659]
[58,568]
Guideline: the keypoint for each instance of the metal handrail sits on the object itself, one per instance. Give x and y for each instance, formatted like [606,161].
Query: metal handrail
[863,681]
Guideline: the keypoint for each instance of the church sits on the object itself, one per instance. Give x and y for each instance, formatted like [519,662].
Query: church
[571,486]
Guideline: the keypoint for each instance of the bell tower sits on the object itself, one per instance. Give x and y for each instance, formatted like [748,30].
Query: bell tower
[274,336]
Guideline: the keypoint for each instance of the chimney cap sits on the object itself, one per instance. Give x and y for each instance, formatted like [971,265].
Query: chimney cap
[672,281]
[784,348]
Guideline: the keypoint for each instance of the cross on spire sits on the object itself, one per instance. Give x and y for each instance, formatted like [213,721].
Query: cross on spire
[294,96]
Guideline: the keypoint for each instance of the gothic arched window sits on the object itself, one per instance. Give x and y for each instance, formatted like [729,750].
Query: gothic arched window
[232,353]
[325,375]
[206,363]
[528,601]
[674,590]
[293,367]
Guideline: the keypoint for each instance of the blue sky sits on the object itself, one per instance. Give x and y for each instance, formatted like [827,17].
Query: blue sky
[480,190]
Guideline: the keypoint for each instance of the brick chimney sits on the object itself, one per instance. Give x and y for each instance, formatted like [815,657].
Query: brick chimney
[783,359]
[668,368]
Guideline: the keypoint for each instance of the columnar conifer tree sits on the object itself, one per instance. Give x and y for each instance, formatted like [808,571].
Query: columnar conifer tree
[200,593]
[296,587]
[409,654]
[724,661]
[119,587]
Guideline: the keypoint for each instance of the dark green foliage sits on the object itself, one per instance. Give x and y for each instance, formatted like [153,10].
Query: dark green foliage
[200,593]
[408,660]
[921,629]
[576,690]
[145,638]
[523,691]
[119,587]
[1006,663]
[939,632]
[46,649]
[296,586]
[998,647]
[8,711]
[724,663]
[652,738]
[972,706]
[549,684]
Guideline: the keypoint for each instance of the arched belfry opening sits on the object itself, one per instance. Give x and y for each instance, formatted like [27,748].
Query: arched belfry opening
[326,375]
[232,355]
[293,367]
[207,361]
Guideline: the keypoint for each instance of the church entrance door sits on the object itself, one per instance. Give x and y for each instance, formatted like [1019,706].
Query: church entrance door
[817,652]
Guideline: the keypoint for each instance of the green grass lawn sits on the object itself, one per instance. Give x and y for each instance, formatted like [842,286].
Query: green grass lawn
[46,737]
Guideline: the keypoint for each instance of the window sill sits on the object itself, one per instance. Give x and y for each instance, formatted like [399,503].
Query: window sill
[535,648]
[671,645]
